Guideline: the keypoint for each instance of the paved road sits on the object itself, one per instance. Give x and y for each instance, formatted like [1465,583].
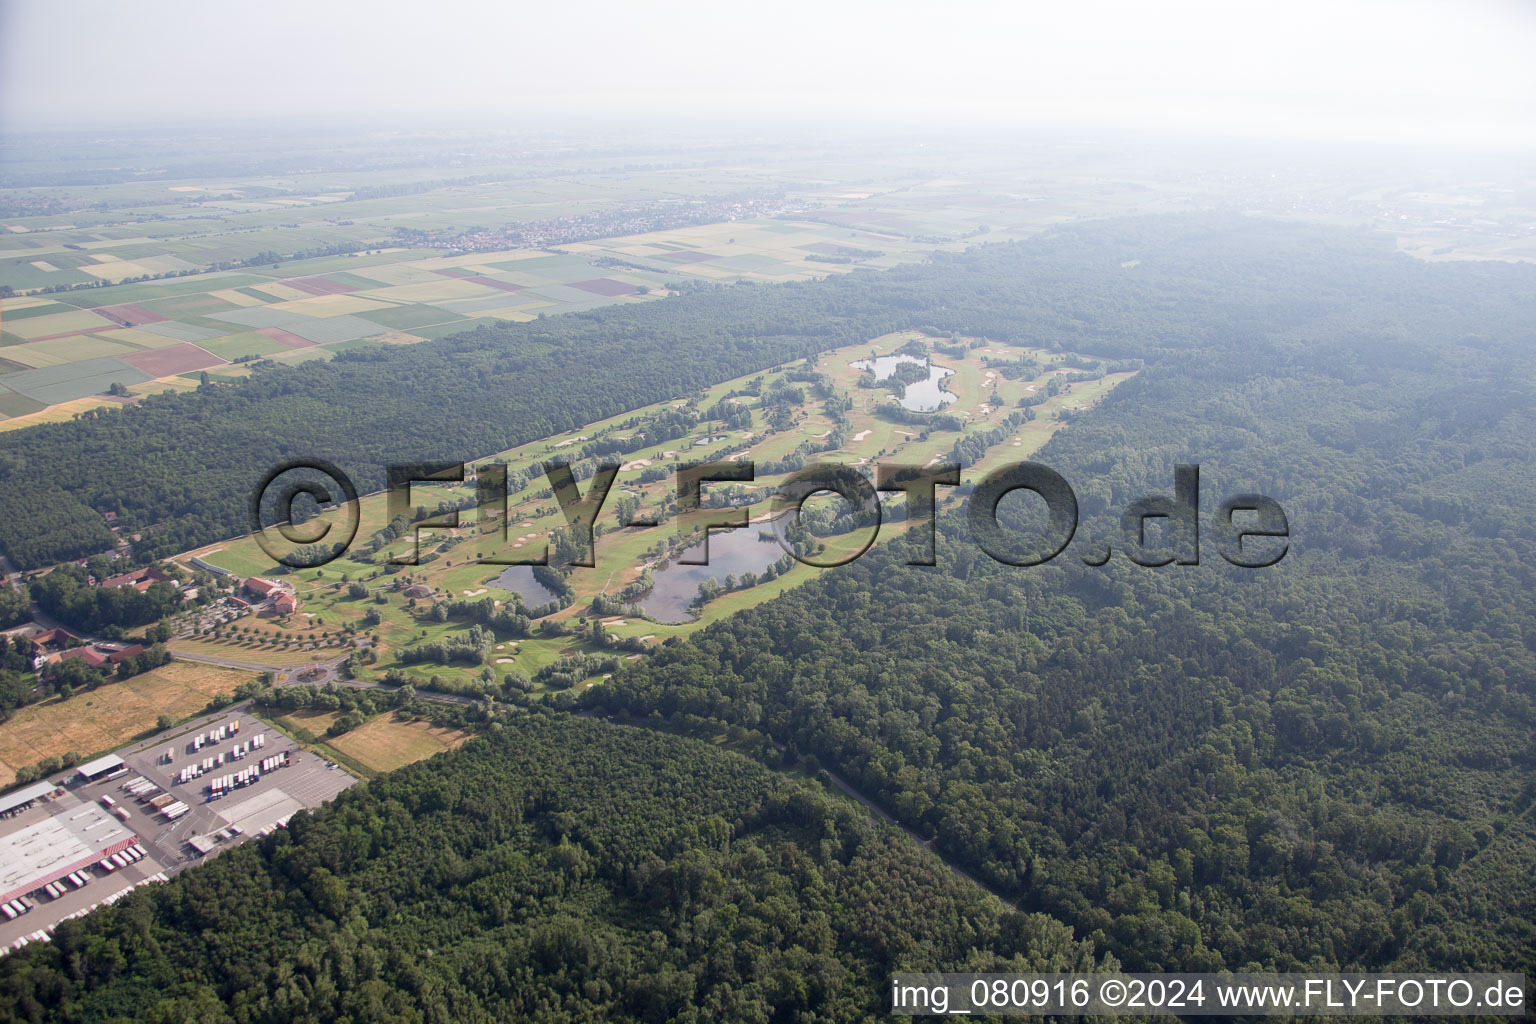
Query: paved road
[12,576]
[209,659]
[442,698]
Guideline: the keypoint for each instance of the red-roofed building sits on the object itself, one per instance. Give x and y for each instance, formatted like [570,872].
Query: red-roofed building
[262,588]
[89,655]
[285,603]
[126,652]
[138,579]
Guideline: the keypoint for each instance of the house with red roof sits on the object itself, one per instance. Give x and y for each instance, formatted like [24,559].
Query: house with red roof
[125,653]
[89,655]
[138,579]
[259,587]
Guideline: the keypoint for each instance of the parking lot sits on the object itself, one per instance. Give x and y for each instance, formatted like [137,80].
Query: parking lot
[56,833]
[262,805]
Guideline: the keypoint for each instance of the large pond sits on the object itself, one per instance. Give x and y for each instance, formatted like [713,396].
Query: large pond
[520,580]
[920,396]
[730,551]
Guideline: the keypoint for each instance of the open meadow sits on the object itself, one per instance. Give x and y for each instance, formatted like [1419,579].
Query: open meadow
[96,721]
[381,744]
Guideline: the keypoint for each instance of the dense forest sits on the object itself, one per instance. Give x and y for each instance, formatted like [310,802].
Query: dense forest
[558,869]
[14,607]
[1328,762]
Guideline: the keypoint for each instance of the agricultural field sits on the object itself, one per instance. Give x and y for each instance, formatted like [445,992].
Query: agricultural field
[453,561]
[198,277]
[381,744]
[74,347]
[100,720]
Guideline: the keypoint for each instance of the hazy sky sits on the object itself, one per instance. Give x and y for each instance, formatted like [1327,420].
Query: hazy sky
[1450,70]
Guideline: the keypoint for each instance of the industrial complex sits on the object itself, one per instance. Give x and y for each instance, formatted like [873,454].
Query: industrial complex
[90,836]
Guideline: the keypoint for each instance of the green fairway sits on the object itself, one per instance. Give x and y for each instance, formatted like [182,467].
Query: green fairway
[455,566]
